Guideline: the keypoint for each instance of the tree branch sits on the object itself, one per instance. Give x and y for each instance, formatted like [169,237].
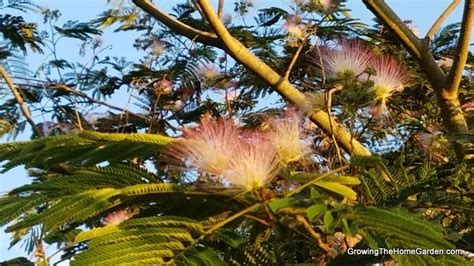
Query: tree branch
[19,100]
[419,50]
[220,8]
[462,51]
[431,32]
[57,86]
[388,16]
[242,55]
[178,26]
[315,235]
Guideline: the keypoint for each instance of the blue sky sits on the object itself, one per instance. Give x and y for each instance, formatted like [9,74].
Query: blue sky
[421,12]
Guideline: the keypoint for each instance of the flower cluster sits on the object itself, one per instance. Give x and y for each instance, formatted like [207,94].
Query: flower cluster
[246,159]
[117,217]
[347,58]
[352,58]
[209,147]
[390,77]
[254,164]
[294,27]
[285,135]
[328,5]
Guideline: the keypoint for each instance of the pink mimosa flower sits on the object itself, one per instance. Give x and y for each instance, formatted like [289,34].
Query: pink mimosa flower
[117,217]
[294,27]
[157,47]
[210,147]
[350,57]
[208,71]
[327,4]
[468,107]
[163,86]
[254,164]
[286,136]
[390,77]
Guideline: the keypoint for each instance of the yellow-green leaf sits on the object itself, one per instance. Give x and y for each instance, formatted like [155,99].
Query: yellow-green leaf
[338,188]
[96,232]
[280,203]
[328,221]
[343,179]
[315,210]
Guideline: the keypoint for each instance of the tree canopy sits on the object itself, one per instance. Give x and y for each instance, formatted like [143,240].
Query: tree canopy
[276,136]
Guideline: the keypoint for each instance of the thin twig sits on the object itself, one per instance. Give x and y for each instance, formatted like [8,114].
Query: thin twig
[230,219]
[328,110]
[90,99]
[441,18]
[19,100]
[78,117]
[294,59]
[258,219]
[220,8]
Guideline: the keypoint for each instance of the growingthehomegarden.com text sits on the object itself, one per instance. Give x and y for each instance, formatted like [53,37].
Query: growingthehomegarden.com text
[401,251]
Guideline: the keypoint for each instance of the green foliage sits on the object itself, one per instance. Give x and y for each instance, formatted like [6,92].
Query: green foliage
[71,209]
[86,148]
[146,240]
[198,256]
[77,30]
[237,250]
[396,228]
[19,33]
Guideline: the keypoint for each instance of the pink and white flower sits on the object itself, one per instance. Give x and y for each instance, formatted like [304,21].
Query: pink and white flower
[468,107]
[286,135]
[390,78]
[254,164]
[350,57]
[157,47]
[210,147]
[163,86]
[294,27]
[327,4]
[208,71]
[117,217]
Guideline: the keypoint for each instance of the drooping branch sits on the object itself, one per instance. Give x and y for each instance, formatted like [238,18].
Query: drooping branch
[177,26]
[24,109]
[462,51]
[62,87]
[431,32]
[243,55]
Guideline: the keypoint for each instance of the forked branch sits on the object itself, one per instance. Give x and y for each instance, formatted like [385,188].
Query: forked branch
[177,26]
